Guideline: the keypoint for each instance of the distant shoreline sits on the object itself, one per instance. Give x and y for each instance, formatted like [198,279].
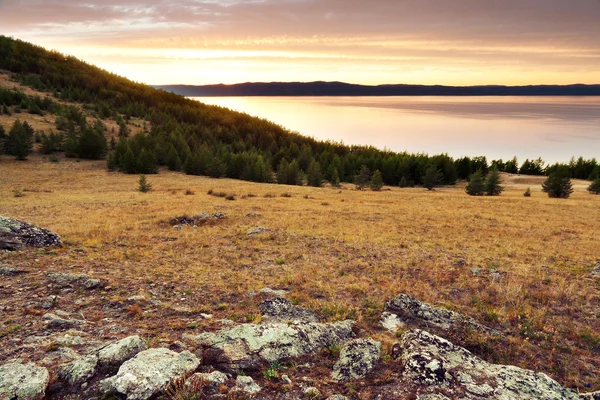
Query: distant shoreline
[337,89]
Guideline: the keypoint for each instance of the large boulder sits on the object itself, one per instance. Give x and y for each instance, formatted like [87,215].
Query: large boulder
[281,310]
[23,382]
[16,235]
[357,359]
[149,372]
[249,346]
[106,358]
[405,310]
[433,365]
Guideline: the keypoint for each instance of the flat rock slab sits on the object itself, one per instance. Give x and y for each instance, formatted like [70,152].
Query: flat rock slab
[281,310]
[357,358]
[149,372]
[433,365]
[15,235]
[249,346]
[23,382]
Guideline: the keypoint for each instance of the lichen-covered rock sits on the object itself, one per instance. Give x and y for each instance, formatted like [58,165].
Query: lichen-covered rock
[212,381]
[246,384]
[53,321]
[433,365]
[357,359]
[8,271]
[410,310]
[103,359]
[391,322]
[590,396]
[62,280]
[149,372]
[23,382]
[281,310]
[248,346]
[15,235]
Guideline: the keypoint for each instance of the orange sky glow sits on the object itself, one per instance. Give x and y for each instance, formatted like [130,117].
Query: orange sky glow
[459,42]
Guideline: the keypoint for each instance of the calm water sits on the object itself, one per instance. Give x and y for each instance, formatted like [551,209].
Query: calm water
[554,128]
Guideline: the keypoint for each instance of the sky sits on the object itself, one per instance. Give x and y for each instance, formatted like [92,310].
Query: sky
[450,42]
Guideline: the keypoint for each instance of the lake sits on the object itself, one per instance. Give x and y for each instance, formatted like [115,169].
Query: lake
[554,128]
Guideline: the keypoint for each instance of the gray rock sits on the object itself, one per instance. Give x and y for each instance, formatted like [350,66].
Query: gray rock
[410,310]
[273,292]
[60,356]
[63,280]
[16,235]
[257,231]
[248,346]
[49,302]
[434,365]
[391,322]
[286,379]
[252,215]
[312,393]
[337,397]
[23,382]
[281,310]
[357,359]
[149,372]
[246,384]
[590,396]
[8,271]
[212,381]
[79,371]
[53,321]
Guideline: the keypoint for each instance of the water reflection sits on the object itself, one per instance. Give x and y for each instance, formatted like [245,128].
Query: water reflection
[554,128]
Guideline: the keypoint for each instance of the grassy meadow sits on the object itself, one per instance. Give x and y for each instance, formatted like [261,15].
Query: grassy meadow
[339,251]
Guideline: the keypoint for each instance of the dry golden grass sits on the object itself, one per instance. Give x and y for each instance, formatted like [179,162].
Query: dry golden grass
[341,252]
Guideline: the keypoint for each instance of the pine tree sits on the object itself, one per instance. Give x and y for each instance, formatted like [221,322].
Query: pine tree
[476,186]
[91,144]
[594,187]
[2,140]
[20,140]
[492,183]
[527,193]
[282,171]
[143,185]
[335,178]
[403,182]
[558,184]
[361,180]
[431,178]
[314,176]
[376,181]
[146,162]
[173,160]
[128,162]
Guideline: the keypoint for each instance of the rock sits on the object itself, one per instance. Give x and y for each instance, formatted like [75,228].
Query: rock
[337,397]
[8,271]
[256,231]
[60,356]
[219,216]
[357,359]
[55,322]
[391,322]
[476,271]
[23,382]
[286,379]
[433,365]
[596,271]
[281,310]
[149,372]
[248,346]
[15,235]
[590,396]
[49,302]
[103,359]
[178,228]
[71,280]
[273,292]
[410,310]
[312,392]
[246,384]
[212,381]
[252,215]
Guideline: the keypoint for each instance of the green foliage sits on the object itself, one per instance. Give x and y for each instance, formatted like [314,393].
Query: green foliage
[289,173]
[594,187]
[533,167]
[361,180]
[146,163]
[476,186]
[527,192]
[403,182]
[492,183]
[432,178]
[558,184]
[19,142]
[143,185]
[272,373]
[314,175]
[376,181]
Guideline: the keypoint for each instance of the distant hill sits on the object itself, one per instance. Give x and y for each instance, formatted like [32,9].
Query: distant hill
[347,89]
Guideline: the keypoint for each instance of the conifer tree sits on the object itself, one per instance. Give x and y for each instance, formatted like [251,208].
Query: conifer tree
[282,171]
[376,181]
[2,140]
[335,178]
[19,142]
[492,183]
[361,180]
[314,176]
[143,185]
[594,187]
[403,182]
[146,163]
[476,186]
[173,160]
[431,178]
[128,162]
[558,184]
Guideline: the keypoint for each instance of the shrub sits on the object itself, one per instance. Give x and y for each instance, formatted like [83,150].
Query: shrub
[143,185]
[594,188]
[376,181]
[476,186]
[431,178]
[558,184]
[527,193]
[53,158]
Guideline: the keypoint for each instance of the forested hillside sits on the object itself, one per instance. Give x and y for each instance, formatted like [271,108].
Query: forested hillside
[192,137]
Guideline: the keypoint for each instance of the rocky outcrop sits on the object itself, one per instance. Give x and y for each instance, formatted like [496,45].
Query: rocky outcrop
[15,235]
[433,365]
[74,280]
[53,321]
[357,358]
[210,381]
[281,310]
[23,382]
[248,346]
[246,384]
[149,372]
[405,310]
[104,359]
